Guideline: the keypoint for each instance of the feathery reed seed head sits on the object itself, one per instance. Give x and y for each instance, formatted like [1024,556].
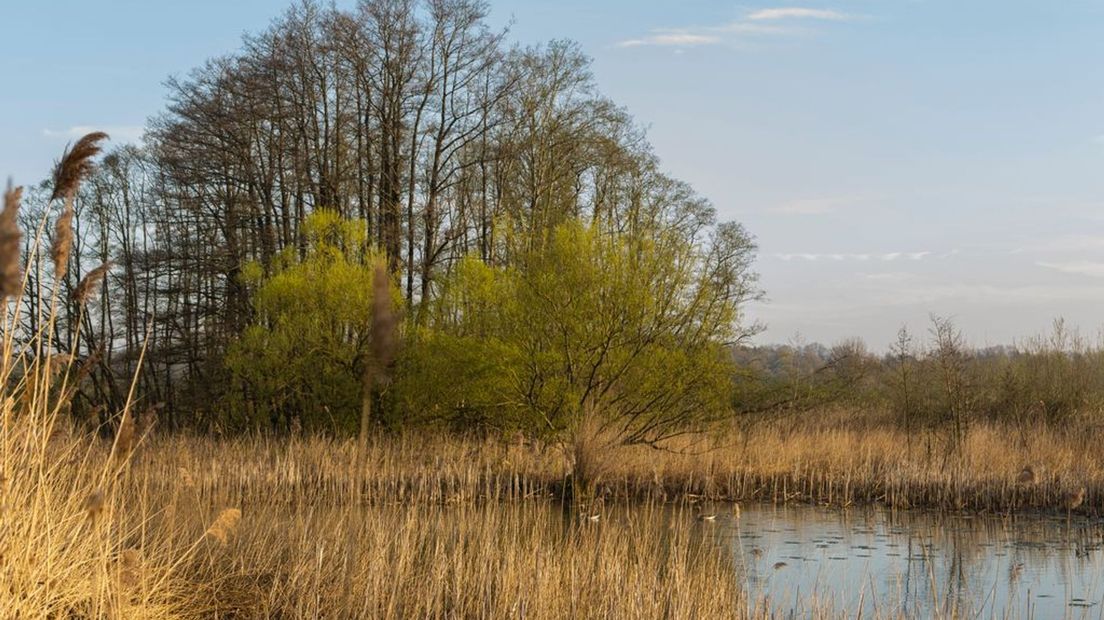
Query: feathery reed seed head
[130,567]
[126,437]
[224,525]
[89,364]
[75,164]
[11,275]
[89,282]
[58,363]
[94,504]
[383,318]
[63,240]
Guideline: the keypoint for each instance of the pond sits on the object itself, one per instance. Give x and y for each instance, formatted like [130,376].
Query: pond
[916,564]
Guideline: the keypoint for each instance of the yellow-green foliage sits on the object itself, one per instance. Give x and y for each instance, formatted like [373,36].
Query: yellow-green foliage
[304,354]
[627,328]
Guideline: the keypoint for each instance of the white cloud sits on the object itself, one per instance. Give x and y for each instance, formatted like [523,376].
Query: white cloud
[1084,267]
[118,133]
[752,24]
[798,13]
[744,27]
[672,39]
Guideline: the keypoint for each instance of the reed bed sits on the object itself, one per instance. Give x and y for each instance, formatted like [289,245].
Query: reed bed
[162,542]
[449,527]
[833,466]
[444,527]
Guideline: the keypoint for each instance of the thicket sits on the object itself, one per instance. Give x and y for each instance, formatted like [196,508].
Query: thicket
[244,235]
[936,383]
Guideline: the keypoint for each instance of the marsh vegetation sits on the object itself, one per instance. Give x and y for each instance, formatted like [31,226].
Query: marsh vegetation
[388,318]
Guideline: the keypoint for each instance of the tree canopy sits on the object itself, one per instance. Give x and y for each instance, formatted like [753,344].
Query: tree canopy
[626,333]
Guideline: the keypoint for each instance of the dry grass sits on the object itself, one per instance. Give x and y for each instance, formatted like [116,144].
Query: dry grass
[808,464]
[451,528]
[157,540]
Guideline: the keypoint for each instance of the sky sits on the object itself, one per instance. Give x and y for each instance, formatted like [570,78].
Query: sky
[894,159]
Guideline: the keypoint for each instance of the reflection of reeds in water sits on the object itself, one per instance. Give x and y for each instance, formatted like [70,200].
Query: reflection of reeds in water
[933,564]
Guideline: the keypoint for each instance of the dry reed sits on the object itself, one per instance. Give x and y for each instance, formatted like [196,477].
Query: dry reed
[75,164]
[11,278]
[89,282]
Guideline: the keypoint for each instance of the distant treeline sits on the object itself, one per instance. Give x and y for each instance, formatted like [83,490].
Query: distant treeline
[932,381]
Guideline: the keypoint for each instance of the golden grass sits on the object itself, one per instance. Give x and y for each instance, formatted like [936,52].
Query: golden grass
[445,527]
[807,463]
[159,540]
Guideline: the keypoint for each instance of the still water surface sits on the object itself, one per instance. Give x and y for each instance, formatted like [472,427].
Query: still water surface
[916,564]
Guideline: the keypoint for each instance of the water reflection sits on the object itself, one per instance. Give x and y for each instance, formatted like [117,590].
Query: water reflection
[918,564]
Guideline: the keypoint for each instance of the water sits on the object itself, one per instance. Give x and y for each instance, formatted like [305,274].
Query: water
[916,564]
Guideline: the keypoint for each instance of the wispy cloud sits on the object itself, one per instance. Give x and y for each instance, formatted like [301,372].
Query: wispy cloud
[793,12]
[887,256]
[672,39]
[746,27]
[118,133]
[762,22]
[1083,267]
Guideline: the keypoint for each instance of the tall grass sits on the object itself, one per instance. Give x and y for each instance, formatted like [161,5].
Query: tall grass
[72,542]
[821,463]
[453,527]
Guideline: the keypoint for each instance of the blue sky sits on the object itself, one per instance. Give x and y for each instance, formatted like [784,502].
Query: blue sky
[894,158]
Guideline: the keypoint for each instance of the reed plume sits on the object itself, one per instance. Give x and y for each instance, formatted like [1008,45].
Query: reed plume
[224,525]
[89,364]
[130,567]
[383,319]
[94,504]
[63,240]
[58,363]
[75,164]
[126,437]
[89,282]
[382,345]
[11,276]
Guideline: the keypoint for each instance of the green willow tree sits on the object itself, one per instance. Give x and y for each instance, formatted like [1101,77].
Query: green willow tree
[587,337]
[303,358]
